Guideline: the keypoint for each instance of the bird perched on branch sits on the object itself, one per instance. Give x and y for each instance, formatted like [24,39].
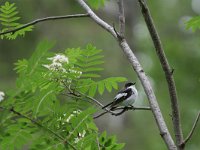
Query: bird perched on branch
[125,97]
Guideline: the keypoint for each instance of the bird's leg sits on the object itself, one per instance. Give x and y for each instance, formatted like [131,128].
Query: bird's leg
[131,107]
[121,112]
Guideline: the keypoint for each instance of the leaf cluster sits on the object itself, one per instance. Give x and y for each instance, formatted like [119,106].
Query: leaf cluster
[47,117]
[9,20]
[193,23]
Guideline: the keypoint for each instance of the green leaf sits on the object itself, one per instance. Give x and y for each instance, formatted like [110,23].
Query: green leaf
[90,75]
[101,87]
[21,65]
[38,55]
[193,23]
[92,90]
[96,3]
[108,86]
[92,69]
[9,21]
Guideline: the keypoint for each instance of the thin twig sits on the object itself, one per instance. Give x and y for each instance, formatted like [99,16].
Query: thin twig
[121,108]
[192,130]
[101,105]
[134,108]
[38,124]
[141,75]
[166,68]
[121,18]
[44,19]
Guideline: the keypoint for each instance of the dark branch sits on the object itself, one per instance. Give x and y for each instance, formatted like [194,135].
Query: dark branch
[166,68]
[45,19]
[121,18]
[39,125]
[123,109]
[191,131]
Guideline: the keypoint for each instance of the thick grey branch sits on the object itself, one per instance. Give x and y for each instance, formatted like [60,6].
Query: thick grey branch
[121,18]
[166,68]
[141,74]
[44,19]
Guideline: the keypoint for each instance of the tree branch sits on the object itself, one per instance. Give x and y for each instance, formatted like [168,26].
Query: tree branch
[121,18]
[140,73]
[191,131]
[44,19]
[121,108]
[39,125]
[72,94]
[166,68]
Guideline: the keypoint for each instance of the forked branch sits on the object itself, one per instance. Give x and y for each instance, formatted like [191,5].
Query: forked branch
[191,131]
[140,73]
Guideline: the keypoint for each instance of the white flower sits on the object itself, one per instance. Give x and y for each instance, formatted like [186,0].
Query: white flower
[72,115]
[76,140]
[2,94]
[80,136]
[59,58]
[57,63]
[55,66]
[69,118]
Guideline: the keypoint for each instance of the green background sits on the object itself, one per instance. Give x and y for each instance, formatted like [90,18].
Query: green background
[137,129]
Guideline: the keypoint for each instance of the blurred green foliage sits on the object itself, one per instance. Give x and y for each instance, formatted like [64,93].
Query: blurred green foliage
[34,109]
[194,23]
[9,18]
[137,129]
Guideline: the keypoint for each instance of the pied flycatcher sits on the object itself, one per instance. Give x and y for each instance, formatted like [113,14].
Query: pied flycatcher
[125,97]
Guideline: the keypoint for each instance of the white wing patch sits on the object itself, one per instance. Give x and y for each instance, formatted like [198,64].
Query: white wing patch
[118,96]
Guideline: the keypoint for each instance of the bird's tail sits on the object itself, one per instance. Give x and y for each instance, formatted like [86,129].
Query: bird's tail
[107,105]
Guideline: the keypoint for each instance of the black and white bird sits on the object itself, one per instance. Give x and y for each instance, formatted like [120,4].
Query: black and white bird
[125,97]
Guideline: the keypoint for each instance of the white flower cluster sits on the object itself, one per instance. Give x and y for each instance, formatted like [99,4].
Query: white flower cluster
[80,136]
[74,113]
[2,94]
[57,63]
[59,58]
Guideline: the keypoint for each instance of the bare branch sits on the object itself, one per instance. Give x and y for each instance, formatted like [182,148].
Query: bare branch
[44,19]
[121,18]
[166,68]
[134,108]
[39,125]
[141,75]
[191,131]
[121,112]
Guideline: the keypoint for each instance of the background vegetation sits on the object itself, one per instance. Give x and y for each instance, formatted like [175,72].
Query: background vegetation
[136,129]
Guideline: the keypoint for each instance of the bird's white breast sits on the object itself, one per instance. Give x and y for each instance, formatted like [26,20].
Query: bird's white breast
[129,101]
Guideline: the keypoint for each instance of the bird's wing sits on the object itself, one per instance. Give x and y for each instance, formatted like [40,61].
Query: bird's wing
[118,98]
[121,96]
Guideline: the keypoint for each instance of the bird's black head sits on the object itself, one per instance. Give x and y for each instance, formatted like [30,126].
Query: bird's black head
[129,84]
